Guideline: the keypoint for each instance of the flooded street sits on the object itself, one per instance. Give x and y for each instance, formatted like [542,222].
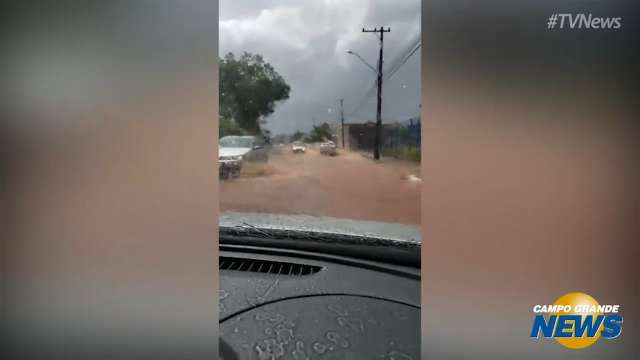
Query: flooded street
[345,186]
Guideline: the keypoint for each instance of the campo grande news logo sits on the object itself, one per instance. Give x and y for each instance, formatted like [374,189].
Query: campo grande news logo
[576,321]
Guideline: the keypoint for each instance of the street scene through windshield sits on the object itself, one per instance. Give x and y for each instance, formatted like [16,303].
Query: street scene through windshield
[320,109]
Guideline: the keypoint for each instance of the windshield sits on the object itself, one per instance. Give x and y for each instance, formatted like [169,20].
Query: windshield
[317,89]
[236,141]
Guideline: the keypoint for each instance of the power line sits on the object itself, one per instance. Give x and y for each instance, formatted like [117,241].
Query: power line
[415,41]
[398,62]
[390,74]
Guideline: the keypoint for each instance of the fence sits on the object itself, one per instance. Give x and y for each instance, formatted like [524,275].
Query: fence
[405,134]
[399,136]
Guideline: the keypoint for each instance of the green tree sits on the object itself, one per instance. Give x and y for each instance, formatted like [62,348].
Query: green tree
[320,133]
[249,90]
[298,135]
[229,127]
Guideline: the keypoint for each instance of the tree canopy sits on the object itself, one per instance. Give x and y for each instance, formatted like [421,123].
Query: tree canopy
[249,90]
[320,133]
[298,135]
[229,127]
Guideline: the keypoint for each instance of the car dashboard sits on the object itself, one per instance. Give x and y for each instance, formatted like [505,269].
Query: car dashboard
[288,302]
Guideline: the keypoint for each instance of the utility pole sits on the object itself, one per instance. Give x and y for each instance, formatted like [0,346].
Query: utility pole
[342,120]
[377,139]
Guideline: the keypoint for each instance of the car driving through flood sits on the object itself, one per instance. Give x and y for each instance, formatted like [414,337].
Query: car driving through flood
[234,150]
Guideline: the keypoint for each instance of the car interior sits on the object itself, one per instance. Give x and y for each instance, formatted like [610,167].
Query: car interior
[304,297]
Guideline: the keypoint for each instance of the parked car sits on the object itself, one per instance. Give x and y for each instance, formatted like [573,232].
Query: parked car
[328,148]
[298,147]
[234,150]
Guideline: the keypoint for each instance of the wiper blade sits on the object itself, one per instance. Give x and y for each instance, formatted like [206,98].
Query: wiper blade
[257,229]
[371,248]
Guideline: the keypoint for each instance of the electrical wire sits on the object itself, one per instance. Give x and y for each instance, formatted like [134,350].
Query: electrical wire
[397,64]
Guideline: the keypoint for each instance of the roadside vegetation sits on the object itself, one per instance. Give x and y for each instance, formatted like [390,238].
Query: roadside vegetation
[404,153]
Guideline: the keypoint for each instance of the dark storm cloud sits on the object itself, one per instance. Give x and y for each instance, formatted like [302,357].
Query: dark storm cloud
[307,43]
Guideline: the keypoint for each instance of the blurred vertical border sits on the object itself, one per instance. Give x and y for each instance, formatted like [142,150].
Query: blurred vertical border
[530,168]
[109,206]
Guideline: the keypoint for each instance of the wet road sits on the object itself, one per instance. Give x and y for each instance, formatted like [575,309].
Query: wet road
[345,186]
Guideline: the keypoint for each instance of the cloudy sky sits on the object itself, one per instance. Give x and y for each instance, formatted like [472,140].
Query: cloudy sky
[307,43]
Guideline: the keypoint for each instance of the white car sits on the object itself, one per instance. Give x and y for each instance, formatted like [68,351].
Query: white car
[234,150]
[328,148]
[298,147]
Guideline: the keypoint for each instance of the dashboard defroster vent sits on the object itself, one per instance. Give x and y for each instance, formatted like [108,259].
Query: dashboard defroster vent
[267,266]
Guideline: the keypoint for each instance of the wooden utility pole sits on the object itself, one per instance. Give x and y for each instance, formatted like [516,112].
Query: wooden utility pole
[342,119]
[377,139]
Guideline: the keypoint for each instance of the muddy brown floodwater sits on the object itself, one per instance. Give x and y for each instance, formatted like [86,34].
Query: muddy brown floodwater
[345,186]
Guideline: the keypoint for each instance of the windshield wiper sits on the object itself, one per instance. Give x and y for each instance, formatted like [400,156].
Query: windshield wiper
[257,229]
[393,251]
